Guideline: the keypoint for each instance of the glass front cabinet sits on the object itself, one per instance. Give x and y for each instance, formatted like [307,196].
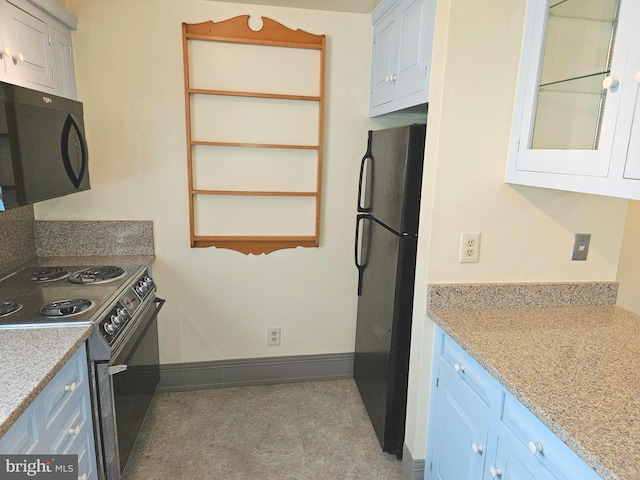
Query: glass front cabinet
[576,117]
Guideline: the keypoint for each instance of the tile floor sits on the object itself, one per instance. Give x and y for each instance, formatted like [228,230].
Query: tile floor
[301,431]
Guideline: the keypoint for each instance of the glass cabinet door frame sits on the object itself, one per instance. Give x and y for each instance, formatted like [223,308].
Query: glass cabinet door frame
[574,162]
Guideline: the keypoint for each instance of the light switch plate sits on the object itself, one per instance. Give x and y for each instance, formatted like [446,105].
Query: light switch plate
[581,246]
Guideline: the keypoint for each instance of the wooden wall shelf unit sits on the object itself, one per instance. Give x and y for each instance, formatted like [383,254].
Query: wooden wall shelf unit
[254,102]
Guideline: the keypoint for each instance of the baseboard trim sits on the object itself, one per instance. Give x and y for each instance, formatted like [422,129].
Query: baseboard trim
[177,377]
[412,469]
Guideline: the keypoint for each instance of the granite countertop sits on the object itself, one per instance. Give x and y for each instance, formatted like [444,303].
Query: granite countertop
[29,359]
[574,367]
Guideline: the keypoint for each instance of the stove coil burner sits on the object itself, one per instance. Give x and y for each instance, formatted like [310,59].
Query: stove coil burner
[47,274]
[66,308]
[7,308]
[96,275]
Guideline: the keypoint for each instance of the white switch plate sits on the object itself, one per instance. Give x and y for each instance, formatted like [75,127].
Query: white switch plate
[469,247]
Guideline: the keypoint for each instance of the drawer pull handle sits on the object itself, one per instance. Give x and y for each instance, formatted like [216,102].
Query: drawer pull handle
[459,367]
[75,431]
[535,447]
[71,388]
[495,472]
[477,448]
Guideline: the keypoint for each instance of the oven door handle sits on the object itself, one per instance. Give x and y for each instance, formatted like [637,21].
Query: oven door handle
[116,369]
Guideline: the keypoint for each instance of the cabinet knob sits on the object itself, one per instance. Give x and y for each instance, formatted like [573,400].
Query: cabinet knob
[458,367]
[610,82]
[535,447]
[75,431]
[71,388]
[394,78]
[495,472]
[636,77]
[5,51]
[477,448]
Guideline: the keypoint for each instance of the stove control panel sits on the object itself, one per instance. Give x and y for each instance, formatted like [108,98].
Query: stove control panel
[120,315]
[144,286]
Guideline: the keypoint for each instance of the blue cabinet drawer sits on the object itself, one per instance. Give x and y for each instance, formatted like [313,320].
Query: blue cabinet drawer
[470,371]
[540,443]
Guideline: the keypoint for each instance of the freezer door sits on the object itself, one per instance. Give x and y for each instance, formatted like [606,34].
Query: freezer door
[384,328]
[391,177]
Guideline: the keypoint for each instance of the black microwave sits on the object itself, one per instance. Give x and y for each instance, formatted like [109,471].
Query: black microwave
[43,152]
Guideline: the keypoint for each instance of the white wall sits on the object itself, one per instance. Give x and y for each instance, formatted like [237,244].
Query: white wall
[129,70]
[628,271]
[527,233]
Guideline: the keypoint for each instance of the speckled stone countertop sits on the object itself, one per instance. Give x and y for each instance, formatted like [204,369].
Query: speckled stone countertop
[29,359]
[574,367]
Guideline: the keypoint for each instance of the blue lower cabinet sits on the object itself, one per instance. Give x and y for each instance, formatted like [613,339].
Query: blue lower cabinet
[479,431]
[511,463]
[462,425]
[59,420]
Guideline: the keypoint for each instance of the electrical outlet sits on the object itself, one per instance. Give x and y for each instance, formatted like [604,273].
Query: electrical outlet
[469,247]
[273,336]
[581,246]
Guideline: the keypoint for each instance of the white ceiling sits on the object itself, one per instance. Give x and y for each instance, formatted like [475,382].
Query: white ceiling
[351,6]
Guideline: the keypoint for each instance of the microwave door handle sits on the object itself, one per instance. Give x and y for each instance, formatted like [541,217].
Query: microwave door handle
[70,125]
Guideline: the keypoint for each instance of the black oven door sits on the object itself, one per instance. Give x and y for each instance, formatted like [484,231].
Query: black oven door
[127,385]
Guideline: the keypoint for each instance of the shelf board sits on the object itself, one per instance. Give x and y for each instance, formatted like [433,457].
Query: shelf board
[281,146]
[254,193]
[235,93]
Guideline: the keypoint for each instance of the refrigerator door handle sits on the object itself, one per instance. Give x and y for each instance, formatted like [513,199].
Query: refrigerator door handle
[364,193]
[358,253]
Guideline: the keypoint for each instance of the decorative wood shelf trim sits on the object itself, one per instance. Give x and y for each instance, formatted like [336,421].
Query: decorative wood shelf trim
[254,244]
[237,30]
[255,193]
[233,93]
[272,34]
[281,146]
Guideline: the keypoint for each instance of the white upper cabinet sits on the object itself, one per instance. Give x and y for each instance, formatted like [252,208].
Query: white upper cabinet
[35,42]
[401,55]
[574,124]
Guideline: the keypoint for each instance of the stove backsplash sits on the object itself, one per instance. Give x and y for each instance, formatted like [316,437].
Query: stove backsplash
[23,239]
[17,239]
[68,238]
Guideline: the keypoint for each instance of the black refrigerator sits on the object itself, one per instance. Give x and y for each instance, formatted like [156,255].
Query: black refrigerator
[385,255]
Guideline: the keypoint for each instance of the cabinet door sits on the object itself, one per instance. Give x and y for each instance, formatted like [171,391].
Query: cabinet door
[565,121]
[510,465]
[461,422]
[415,43]
[383,61]
[628,146]
[31,43]
[65,71]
